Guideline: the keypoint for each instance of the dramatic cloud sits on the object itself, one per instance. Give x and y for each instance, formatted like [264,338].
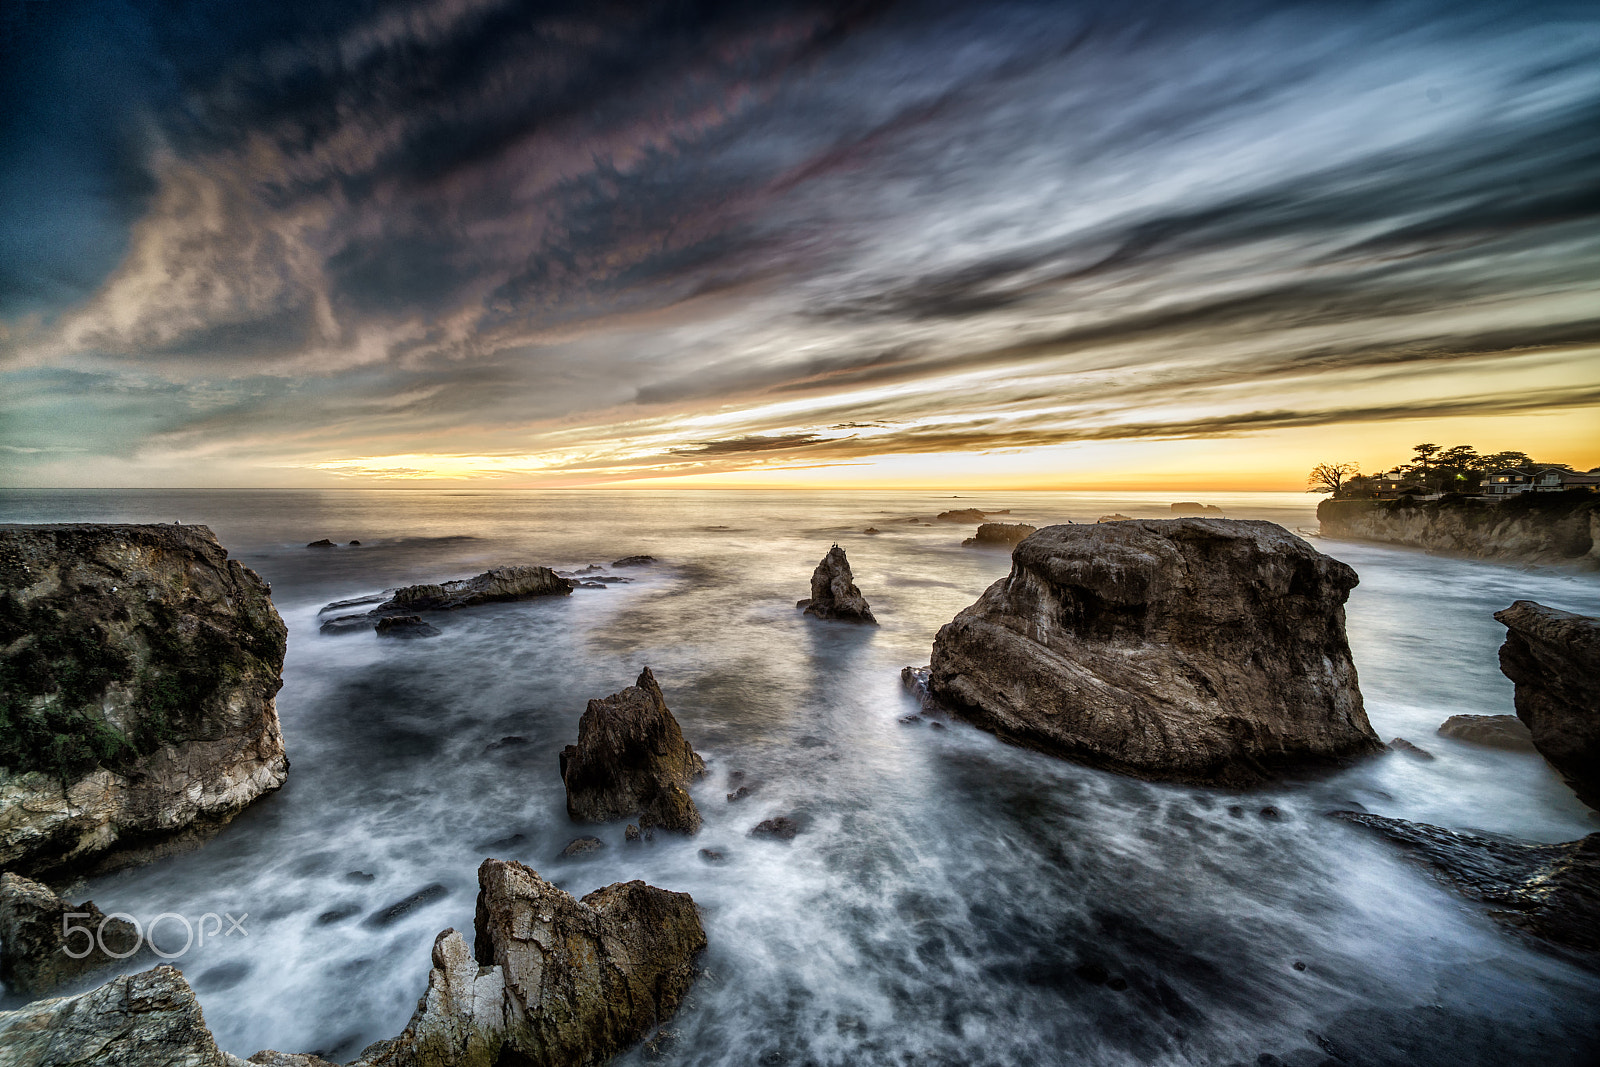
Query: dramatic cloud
[548,242]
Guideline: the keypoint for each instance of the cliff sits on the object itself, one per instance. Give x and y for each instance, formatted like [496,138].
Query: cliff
[1554,528]
[138,670]
[1553,656]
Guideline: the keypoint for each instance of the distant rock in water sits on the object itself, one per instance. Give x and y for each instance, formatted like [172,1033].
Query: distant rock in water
[962,515]
[1550,891]
[833,592]
[401,626]
[1553,656]
[355,544]
[871,530]
[1197,650]
[1491,731]
[1114,518]
[633,561]
[324,543]
[492,586]
[149,1019]
[631,759]
[1193,508]
[40,933]
[138,667]
[999,535]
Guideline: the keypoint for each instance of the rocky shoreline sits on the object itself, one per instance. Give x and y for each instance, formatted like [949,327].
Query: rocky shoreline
[1541,528]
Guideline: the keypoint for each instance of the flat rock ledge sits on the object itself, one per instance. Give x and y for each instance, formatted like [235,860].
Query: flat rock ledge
[40,948]
[1198,650]
[138,671]
[1491,731]
[631,759]
[494,586]
[1553,656]
[1549,891]
[834,594]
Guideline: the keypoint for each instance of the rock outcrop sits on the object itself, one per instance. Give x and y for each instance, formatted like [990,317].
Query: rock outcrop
[962,515]
[1553,656]
[492,586]
[138,669]
[405,626]
[138,1020]
[633,561]
[41,948]
[1490,731]
[631,759]
[833,592]
[1187,508]
[1199,650]
[999,535]
[1552,528]
[1549,891]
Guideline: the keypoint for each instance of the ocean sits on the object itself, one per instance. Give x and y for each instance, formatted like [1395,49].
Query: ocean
[950,899]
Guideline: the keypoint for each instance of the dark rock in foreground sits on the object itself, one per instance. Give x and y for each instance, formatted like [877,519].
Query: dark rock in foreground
[403,626]
[833,592]
[631,759]
[1199,650]
[1550,891]
[1491,731]
[138,670]
[38,940]
[138,1020]
[492,586]
[1553,656]
[998,535]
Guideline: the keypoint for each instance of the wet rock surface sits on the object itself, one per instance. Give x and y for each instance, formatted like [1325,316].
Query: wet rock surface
[405,626]
[1404,747]
[833,592]
[631,759]
[1199,650]
[492,586]
[140,1020]
[1491,731]
[138,670]
[781,827]
[38,940]
[1553,656]
[1549,891]
[998,535]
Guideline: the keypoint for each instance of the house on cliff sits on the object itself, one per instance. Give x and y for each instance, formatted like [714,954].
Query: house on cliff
[1511,480]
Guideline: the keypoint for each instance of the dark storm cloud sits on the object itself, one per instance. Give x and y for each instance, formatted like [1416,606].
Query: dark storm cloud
[450,221]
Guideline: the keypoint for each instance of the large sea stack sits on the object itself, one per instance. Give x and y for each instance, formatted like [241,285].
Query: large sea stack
[833,591]
[1553,656]
[1196,650]
[138,669]
[631,759]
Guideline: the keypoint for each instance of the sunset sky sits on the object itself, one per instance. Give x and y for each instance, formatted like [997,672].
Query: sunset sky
[875,244]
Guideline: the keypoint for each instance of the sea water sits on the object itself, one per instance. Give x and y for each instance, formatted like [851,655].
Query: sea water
[950,899]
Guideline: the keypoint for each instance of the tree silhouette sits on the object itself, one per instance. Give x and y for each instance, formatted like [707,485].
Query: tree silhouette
[1329,477]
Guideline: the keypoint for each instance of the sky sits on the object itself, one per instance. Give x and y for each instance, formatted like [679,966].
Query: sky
[1052,245]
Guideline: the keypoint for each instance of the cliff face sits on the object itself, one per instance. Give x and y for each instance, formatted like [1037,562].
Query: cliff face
[138,669]
[1203,650]
[1531,528]
[1553,656]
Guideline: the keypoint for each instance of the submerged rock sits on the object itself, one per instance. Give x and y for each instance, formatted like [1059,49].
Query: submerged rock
[1198,650]
[1553,656]
[492,586]
[582,846]
[149,1019]
[833,592]
[782,827]
[631,759]
[998,535]
[1400,744]
[138,669]
[403,626]
[1491,731]
[38,940]
[1550,891]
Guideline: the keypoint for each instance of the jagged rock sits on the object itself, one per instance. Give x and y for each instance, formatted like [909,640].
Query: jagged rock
[632,833]
[1400,744]
[998,535]
[583,979]
[274,1058]
[1550,891]
[149,1019]
[138,667]
[461,1019]
[1553,656]
[1190,507]
[631,759]
[633,561]
[35,956]
[403,626]
[1491,731]
[1199,650]
[961,515]
[492,586]
[324,543]
[833,592]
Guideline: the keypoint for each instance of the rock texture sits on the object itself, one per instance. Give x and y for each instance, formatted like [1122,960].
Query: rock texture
[1199,650]
[492,586]
[405,626]
[833,592]
[1550,891]
[35,956]
[1553,656]
[461,1019]
[138,669]
[1491,731]
[999,535]
[631,759]
[138,1020]
[1554,528]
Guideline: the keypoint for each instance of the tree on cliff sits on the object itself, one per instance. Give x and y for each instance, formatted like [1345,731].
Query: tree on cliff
[1329,477]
